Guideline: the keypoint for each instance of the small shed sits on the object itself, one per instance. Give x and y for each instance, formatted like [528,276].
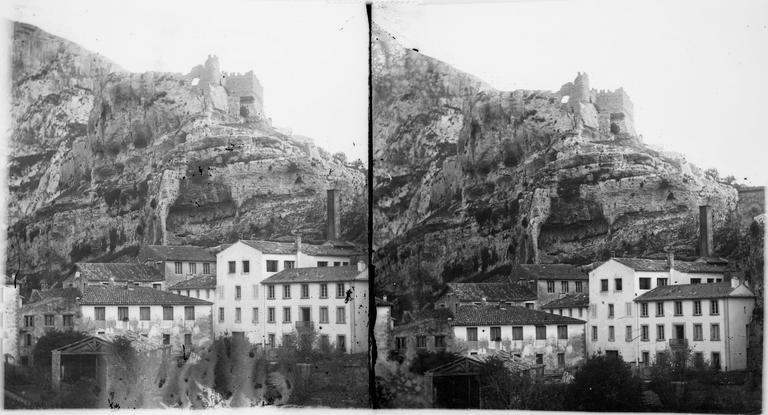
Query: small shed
[84,359]
[455,384]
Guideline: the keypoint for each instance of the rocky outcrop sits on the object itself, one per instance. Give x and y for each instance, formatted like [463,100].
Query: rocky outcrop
[526,176]
[102,159]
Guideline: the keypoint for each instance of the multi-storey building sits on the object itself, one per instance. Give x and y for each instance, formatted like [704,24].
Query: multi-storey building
[615,285]
[178,263]
[161,316]
[459,294]
[54,309]
[708,320]
[86,274]
[202,287]
[553,340]
[550,281]
[572,305]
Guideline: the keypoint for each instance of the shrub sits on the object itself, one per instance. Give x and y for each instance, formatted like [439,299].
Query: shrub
[604,383]
[426,360]
[41,354]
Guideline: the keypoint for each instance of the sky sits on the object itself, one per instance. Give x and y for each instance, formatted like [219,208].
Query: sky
[311,57]
[695,70]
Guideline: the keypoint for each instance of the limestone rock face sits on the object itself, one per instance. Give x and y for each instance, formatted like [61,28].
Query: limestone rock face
[528,177]
[103,160]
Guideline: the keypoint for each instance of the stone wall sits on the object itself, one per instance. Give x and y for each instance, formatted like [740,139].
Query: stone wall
[58,307]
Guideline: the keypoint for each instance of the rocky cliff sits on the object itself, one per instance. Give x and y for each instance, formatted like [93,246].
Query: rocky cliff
[468,178]
[103,160]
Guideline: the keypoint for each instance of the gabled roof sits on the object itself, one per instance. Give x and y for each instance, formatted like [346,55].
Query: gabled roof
[69,294]
[321,274]
[175,253]
[491,292]
[662,265]
[696,291]
[463,365]
[289,248]
[512,363]
[549,272]
[570,300]
[133,295]
[472,315]
[272,247]
[118,272]
[202,281]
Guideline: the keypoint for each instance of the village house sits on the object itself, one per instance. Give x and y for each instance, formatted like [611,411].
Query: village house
[553,340]
[202,287]
[709,320]
[48,310]
[8,317]
[423,330]
[86,274]
[458,294]
[572,305]
[171,319]
[178,263]
[550,282]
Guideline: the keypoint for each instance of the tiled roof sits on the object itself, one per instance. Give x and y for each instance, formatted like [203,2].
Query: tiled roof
[491,292]
[272,247]
[507,315]
[321,274]
[175,253]
[571,300]
[662,265]
[118,272]
[67,293]
[512,363]
[202,281]
[690,291]
[122,295]
[289,248]
[549,272]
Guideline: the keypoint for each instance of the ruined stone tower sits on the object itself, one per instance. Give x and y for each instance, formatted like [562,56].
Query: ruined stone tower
[611,112]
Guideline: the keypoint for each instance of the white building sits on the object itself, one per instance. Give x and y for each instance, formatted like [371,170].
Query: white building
[613,287]
[202,287]
[178,262]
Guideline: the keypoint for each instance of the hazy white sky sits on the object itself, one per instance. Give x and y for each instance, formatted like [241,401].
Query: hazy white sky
[695,70]
[311,57]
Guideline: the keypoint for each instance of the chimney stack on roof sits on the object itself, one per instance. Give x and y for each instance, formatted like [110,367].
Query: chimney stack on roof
[705,231]
[360,266]
[298,243]
[671,258]
[333,215]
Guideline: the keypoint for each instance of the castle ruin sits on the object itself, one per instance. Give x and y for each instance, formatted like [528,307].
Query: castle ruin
[615,112]
[244,93]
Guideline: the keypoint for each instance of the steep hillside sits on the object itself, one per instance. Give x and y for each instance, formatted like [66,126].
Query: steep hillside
[484,177]
[103,159]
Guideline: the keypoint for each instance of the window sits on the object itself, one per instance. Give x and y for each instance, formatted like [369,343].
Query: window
[221,314]
[550,286]
[246,267]
[188,339]
[206,267]
[345,263]
[562,332]
[400,343]
[643,309]
[304,290]
[697,308]
[610,311]
[122,313]
[167,313]
[321,264]
[541,332]
[579,286]
[645,283]
[646,359]
[192,268]
[270,292]
[678,308]
[231,267]
[495,334]
[177,267]
[48,320]
[68,320]
[255,315]
[603,285]
[539,359]
[421,342]
[660,309]
[341,343]
[289,264]
[661,358]
[698,360]
[238,315]
[336,264]
[221,291]
[189,312]
[100,313]
[618,282]
[28,340]
[323,290]
[628,334]
[144,313]
[695,280]
[286,314]
[698,332]
[611,333]
[660,282]
[529,306]
[340,315]
[439,342]
[286,291]
[660,332]
[594,333]
[713,308]
[166,339]
[255,290]
[710,280]
[323,314]
[270,314]
[561,360]
[517,333]
[563,286]
[271,339]
[644,332]
[472,334]
[238,293]
[271,265]
[715,362]
[628,309]
[714,332]
[157,286]
[340,290]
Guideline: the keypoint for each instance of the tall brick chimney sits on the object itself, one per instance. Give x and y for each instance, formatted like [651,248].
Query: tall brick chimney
[705,231]
[334,226]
